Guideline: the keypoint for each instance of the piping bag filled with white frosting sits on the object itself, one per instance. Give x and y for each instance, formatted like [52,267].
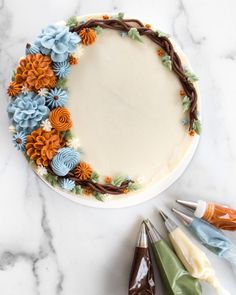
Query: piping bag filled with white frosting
[192,257]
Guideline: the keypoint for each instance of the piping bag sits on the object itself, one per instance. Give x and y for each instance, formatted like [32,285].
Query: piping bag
[220,216]
[192,257]
[210,237]
[141,280]
[176,279]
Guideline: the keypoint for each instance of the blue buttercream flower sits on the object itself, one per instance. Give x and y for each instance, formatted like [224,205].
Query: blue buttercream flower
[19,140]
[31,49]
[58,42]
[67,184]
[56,97]
[64,161]
[61,69]
[27,111]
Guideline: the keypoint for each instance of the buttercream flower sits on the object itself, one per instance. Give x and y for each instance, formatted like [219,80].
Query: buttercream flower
[41,170]
[58,42]
[14,89]
[83,171]
[73,60]
[67,184]
[56,97]
[64,161]
[12,129]
[88,36]
[19,140]
[46,125]
[61,69]
[31,49]
[35,72]
[60,119]
[41,145]
[79,51]
[25,90]
[43,92]
[27,111]
[73,142]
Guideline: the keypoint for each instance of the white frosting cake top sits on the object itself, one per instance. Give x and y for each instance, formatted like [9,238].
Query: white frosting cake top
[126,109]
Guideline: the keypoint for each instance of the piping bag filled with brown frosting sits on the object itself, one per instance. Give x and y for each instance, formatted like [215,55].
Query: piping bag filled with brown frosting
[141,280]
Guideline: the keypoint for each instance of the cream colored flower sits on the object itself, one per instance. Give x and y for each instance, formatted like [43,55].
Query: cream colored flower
[12,129]
[74,143]
[43,92]
[46,125]
[24,90]
[79,51]
[41,170]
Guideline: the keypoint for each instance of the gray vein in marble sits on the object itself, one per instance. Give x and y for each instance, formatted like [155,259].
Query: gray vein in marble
[182,10]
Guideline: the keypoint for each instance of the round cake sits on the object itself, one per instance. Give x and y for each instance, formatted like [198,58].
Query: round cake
[105,108]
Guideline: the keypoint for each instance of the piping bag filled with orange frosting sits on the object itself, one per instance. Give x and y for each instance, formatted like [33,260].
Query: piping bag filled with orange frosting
[176,279]
[220,216]
[141,280]
[192,257]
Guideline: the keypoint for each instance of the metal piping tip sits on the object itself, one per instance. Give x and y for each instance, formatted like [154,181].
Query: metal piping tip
[188,204]
[142,238]
[152,232]
[163,215]
[186,219]
[169,223]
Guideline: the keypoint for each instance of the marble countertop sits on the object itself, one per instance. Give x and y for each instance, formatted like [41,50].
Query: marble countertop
[50,245]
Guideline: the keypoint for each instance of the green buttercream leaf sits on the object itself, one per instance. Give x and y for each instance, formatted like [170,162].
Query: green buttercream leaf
[191,76]
[134,34]
[161,34]
[67,135]
[13,77]
[61,83]
[133,186]
[117,181]
[99,197]
[166,60]
[95,176]
[197,126]
[98,30]
[52,179]
[77,190]
[186,103]
[72,22]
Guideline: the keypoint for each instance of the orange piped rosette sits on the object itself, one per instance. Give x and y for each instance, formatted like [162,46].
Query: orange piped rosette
[83,171]
[88,36]
[60,119]
[14,89]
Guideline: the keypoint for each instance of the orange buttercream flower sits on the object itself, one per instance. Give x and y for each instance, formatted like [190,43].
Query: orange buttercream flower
[14,88]
[191,132]
[42,145]
[83,171]
[160,52]
[35,72]
[105,16]
[182,92]
[73,60]
[107,179]
[88,36]
[60,119]
[87,191]
[147,26]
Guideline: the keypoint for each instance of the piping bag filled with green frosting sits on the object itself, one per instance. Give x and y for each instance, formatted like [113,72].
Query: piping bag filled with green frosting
[142,280]
[210,237]
[192,257]
[176,279]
